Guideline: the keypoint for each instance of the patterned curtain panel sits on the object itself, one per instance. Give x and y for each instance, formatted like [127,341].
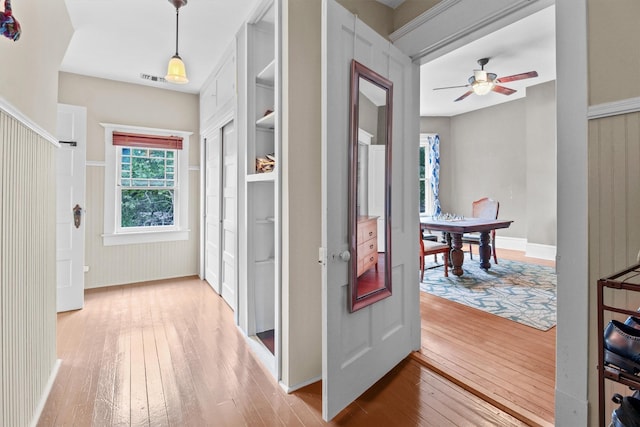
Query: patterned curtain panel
[433,172]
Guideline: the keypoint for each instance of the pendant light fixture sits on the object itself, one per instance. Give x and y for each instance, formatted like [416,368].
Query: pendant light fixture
[176,72]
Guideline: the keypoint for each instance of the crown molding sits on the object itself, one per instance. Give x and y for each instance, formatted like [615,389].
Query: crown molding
[453,23]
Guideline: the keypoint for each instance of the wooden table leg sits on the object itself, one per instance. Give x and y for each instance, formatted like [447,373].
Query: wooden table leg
[457,256]
[485,251]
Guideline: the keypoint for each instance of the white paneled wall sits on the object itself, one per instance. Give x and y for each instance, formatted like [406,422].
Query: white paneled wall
[27,270]
[614,215]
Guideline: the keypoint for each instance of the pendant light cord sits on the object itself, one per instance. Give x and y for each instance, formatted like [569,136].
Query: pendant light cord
[177,21]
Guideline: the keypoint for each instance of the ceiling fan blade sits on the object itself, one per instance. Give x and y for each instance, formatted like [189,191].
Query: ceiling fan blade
[515,77]
[503,90]
[463,96]
[450,87]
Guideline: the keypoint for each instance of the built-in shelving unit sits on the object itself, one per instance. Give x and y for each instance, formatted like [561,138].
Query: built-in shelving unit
[267,122]
[262,207]
[257,177]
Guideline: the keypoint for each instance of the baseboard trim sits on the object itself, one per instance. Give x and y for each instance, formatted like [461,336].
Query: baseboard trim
[536,250]
[532,250]
[511,243]
[45,393]
[291,389]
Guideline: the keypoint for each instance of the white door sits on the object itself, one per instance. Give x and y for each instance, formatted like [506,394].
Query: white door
[212,210]
[70,203]
[361,347]
[229,214]
[221,211]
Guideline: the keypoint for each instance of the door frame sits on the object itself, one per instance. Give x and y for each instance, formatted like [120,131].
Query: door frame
[439,31]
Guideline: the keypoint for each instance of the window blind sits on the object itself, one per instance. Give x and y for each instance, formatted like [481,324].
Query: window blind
[149,141]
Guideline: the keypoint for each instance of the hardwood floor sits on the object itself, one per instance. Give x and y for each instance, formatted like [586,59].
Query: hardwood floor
[168,353]
[504,362]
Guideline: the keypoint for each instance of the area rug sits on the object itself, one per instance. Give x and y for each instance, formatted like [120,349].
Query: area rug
[524,293]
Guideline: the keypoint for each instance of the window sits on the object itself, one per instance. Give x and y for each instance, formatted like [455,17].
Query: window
[429,174]
[146,185]
[423,179]
[147,188]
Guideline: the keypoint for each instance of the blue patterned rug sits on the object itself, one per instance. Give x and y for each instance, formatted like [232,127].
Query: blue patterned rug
[524,293]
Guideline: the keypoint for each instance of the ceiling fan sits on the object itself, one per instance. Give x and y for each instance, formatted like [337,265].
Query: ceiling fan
[482,82]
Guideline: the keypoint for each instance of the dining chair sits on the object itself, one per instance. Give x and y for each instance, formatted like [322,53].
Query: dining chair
[430,247]
[484,208]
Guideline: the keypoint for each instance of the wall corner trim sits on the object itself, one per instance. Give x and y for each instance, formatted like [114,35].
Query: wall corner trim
[615,108]
[291,389]
[45,393]
[22,118]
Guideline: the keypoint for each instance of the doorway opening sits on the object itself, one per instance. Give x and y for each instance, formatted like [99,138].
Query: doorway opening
[495,358]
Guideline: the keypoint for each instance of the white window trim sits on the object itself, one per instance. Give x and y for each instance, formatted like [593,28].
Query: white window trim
[180,231]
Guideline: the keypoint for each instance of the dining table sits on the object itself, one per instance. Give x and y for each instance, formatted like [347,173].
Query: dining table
[454,228]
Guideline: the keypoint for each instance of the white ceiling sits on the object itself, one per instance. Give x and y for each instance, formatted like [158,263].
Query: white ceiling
[120,39]
[523,46]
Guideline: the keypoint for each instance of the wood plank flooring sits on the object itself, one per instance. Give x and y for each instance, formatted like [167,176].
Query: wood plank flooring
[504,362]
[168,353]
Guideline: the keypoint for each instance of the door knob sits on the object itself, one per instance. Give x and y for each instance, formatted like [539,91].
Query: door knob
[345,256]
[77,215]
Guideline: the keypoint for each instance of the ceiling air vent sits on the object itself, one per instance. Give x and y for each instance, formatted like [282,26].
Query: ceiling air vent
[152,78]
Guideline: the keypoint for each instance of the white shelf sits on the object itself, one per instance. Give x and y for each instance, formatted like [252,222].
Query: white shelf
[268,74]
[269,220]
[261,177]
[267,122]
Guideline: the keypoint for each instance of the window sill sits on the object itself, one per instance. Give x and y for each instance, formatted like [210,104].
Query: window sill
[144,237]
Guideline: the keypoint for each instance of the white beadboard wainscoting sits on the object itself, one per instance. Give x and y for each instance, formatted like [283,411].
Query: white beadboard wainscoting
[27,268]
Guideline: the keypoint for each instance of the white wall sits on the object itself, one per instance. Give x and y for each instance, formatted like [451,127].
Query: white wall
[29,77]
[301,195]
[108,101]
[540,134]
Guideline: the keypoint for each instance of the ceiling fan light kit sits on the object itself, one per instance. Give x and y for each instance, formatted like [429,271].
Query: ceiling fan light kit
[483,82]
[176,72]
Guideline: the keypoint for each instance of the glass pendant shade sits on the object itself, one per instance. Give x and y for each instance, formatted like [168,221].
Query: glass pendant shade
[482,88]
[482,82]
[176,72]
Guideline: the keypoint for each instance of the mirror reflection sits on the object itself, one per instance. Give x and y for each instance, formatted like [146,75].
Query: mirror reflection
[371,120]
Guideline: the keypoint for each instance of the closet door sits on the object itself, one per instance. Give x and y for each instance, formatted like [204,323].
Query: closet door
[229,218]
[212,209]
[361,347]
